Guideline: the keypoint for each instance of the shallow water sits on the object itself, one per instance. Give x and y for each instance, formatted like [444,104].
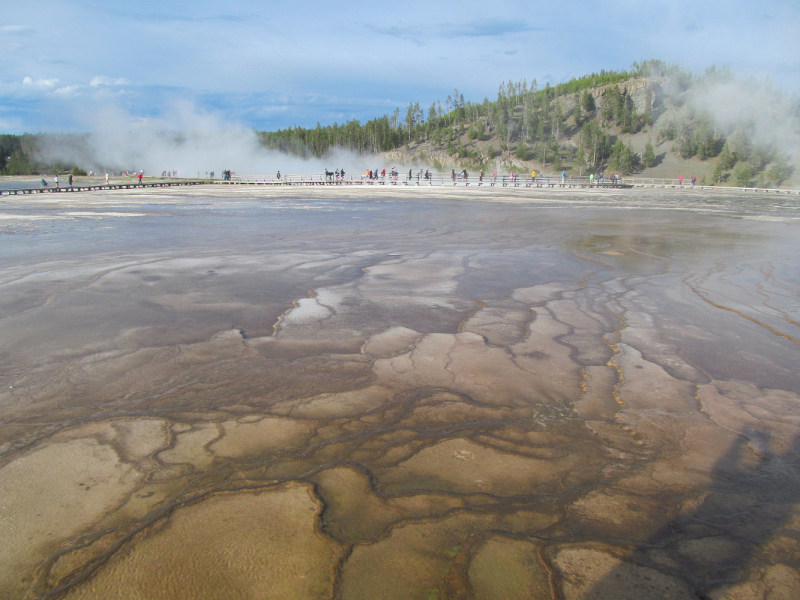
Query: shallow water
[399,394]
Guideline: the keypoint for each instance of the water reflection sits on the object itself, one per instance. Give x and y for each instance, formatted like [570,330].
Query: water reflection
[398,397]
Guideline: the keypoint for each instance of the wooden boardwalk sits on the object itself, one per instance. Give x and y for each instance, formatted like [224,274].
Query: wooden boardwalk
[317,179]
[436,182]
[94,187]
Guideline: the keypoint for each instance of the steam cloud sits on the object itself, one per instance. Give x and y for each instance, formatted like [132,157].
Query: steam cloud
[187,141]
[769,114]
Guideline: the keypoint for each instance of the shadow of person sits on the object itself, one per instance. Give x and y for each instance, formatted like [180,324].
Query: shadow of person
[741,541]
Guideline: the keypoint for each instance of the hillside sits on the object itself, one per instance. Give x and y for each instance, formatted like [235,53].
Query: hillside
[722,130]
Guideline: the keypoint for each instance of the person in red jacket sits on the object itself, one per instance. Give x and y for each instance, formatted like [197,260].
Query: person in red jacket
[140,177]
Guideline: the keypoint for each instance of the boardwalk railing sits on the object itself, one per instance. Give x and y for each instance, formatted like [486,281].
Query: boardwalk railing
[95,186]
[419,179]
[504,180]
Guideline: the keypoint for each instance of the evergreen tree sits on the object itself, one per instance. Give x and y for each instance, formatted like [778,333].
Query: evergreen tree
[647,116]
[709,144]
[743,174]
[588,102]
[740,145]
[649,154]
[720,172]
[580,160]
[780,172]
[726,158]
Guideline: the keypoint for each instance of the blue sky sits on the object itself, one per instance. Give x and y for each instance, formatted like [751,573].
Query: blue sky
[270,65]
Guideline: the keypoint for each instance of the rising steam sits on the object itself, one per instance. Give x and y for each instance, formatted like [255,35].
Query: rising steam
[188,141]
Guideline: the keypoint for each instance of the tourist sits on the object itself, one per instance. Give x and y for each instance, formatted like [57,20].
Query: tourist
[44,183]
[453,175]
[494,176]
[680,180]
[279,175]
[141,173]
[56,180]
[563,177]
[106,177]
[70,180]
[694,180]
[480,177]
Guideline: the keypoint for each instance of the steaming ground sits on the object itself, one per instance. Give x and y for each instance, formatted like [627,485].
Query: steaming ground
[450,393]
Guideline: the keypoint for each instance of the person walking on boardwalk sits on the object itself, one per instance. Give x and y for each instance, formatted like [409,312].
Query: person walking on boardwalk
[279,175]
[453,175]
[44,182]
[106,177]
[494,176]
[680,180]
[70,180]
[55,180]
[533,176]
[694,180]
[140,177]
[480,177]
[563,177]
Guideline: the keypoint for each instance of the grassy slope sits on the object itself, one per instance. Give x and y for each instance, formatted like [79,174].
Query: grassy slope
[669,164]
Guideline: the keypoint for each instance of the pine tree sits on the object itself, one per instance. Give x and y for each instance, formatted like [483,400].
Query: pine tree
[709,144]
[719,172]
[580,160]
[780,172]
[743,174]
[649,155]
[588,102]
[726,158]
[647,117]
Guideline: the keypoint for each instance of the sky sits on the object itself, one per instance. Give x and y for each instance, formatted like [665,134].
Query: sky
[268,65]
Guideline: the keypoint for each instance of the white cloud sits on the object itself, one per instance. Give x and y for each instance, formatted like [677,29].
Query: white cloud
[16,29]
[102,80]
[68,91]
[44,84]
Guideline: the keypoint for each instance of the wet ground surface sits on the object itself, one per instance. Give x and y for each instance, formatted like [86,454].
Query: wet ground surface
[399,394]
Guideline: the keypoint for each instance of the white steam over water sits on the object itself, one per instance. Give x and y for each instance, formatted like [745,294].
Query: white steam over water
[188,141]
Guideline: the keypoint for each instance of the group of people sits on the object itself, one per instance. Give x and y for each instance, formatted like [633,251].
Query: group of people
[338,175]
[374,175]
[55,181]
[139,176]
[226,175]
[600,178]
[694,180]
